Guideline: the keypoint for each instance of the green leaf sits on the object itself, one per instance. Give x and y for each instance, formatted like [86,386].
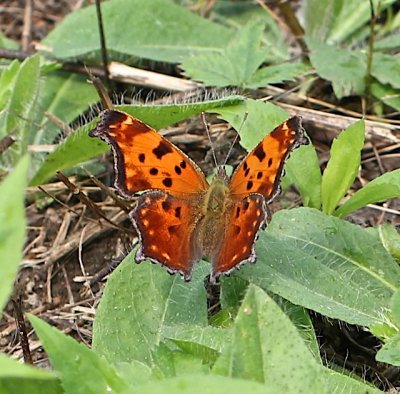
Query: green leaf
[260,118]
[320,16]
[7,78]
[304,171]
[390,352]
[386,94]
[79,147]
[334,21]
[379,189]
[325,264]
[395,306]
[138,301]
[18,113]
[343,165]
[6,43]
[12,229]
[159,30]
[238,14]
[203,384]
[276,74]
[386,69]
[24,379]
[390,239]
[65,96]
[267,348]
[339,383]
[235,65]
[209,337]
[80,369]
[344,68]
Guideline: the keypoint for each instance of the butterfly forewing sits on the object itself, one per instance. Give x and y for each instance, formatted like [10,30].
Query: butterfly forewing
[144,159]
[262,168]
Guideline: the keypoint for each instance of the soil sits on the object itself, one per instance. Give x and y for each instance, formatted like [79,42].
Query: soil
[68,255]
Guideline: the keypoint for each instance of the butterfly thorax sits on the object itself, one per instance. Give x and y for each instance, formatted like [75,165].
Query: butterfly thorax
[215,208]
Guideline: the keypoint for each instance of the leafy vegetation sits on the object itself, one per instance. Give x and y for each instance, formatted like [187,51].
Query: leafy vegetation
[152,332]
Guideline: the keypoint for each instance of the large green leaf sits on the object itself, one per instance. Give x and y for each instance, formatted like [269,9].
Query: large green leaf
[233,66]
[66,96]
[344,68]
[157,30]
[23,379]
[343,165]
[304,171]
[334,21]
[386,69]
[12,228]
[202,384]
[79,147]
[380,189]
[276,74]
[390,352]
[386,94]
[80,369]
[260,118]
[138,302]
[326,264]
[18,114]
[267,347]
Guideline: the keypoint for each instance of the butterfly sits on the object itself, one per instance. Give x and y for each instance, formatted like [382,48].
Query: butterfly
[180,217]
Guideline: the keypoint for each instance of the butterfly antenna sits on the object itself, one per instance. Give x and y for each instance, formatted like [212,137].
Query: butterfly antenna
[246,114]
[209,138]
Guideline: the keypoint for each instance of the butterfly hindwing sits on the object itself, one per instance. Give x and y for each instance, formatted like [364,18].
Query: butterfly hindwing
[166,226]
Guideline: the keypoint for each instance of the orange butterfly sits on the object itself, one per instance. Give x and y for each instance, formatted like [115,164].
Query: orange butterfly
[181,217]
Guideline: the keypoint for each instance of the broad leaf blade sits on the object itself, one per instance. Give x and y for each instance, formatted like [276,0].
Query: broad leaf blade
[18,114]
[73,361]
[343,166]
[203,384]
[138,301]
[380,189]
[266,346]
[276,74]
[325,264]
[12,228]
[344,68]
[260,118]
[158,30]
[304,171]
[235,65]
[24,379]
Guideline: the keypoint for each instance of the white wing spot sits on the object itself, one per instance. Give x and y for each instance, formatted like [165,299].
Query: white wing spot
[166,256]
[154,248]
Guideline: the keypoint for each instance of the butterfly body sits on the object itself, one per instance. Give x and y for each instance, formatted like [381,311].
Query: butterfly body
[181,217]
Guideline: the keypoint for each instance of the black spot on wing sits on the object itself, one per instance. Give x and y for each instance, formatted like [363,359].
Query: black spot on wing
[259,153]
[142,157]
[178,170]
[178,212]
[162,149]
[166,205]
[182,164]
[153,171]
[270,162]
[167,182]
[249,185]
